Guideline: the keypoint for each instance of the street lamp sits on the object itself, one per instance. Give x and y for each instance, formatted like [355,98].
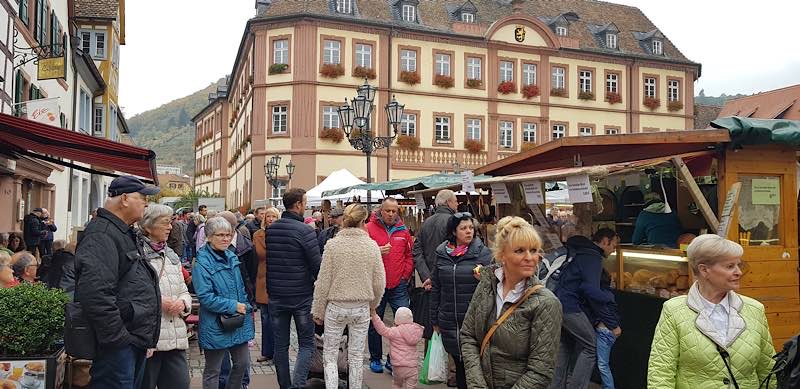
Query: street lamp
[271,170]
[357,114]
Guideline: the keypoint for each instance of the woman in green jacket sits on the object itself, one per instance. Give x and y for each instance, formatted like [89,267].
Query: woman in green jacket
[522,351]
[712,337]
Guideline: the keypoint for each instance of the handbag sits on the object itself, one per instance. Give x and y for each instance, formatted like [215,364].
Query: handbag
[505,315]
[79,337]
[230,322]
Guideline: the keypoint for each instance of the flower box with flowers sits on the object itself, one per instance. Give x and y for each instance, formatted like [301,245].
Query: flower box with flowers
[473,146]
[334,135]
[558,92]
[651,102]
[443,81]
[278,68]
[331,70]
[407,142]
[673,106]
[613,98]
[474,83]
[530,91]
[364,72]
[410,78]
[586,95]
[506,87]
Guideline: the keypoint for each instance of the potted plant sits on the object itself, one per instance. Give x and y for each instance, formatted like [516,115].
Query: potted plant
[558,92]
[332,70]
[474,83]
[613,97]
[278,68]
[506,87]
[473,146]
[364,72]
[651,102]
[410,78]
[674,106]
[586,95]
[443,81]
[407,142]
[530,91]
[334,135]
[31,335]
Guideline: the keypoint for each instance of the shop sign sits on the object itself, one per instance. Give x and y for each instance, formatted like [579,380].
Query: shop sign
[533,192]
[23,373]
[52,68]
[580,191]
[766,191]
[500,193]
[44,111]
[467,181]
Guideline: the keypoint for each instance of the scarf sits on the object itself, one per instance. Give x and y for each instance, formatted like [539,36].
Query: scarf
[456,251]
[157,247]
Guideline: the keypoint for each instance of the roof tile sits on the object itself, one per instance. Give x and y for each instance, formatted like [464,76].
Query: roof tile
[91,9]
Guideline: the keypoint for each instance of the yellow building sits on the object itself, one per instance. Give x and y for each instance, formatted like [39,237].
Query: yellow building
[211,145]
[480,79]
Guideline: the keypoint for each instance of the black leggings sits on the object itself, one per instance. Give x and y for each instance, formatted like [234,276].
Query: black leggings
[461,374]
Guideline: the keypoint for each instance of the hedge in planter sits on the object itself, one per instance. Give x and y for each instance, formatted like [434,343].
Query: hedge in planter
[530,91]
[506,87]
[586,95]
[443,81]
[558,92]
[410,78]
[674,106]
[474,83]
[334,135]
[408,142]
[613,98]
[473,146]
[31,320]
[332,70]
[651,102]
[362,72]
[278,68]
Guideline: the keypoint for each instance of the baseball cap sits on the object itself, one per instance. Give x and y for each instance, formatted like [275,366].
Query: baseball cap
[130,184]
[336,212]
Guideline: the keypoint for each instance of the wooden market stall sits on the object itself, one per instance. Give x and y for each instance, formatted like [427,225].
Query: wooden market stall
[696,171]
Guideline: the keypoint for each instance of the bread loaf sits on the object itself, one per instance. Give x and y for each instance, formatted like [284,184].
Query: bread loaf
[643,276]
[682,282]
[672,277]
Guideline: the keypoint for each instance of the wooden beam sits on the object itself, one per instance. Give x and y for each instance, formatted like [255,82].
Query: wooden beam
[696,194]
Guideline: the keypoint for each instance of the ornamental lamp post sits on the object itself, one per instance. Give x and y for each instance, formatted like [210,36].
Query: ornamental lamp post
[271,171]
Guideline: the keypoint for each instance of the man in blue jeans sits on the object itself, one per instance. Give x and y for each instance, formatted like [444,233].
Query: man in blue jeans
[606,319]
[294,260]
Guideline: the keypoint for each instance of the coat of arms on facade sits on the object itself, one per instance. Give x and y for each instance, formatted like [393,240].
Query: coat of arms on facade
[519,33]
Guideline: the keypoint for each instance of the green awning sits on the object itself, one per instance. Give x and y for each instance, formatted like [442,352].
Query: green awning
[394,186]
[748,131]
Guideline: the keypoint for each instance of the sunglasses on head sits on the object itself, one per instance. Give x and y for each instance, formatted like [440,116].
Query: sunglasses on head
[460,215]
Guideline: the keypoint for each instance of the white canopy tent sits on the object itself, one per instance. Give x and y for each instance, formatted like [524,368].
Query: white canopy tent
[337,179]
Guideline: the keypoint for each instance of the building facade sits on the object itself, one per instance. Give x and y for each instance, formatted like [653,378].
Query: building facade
[480,80]
[211,144]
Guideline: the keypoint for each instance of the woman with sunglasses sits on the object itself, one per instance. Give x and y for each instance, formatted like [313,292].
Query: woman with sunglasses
[453,281]
[511,330]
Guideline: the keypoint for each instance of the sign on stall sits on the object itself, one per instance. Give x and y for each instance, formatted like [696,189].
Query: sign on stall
[766,191]
[500,193]
[580,191]
[727,210]
[533,192]
[420,199]
[467,181]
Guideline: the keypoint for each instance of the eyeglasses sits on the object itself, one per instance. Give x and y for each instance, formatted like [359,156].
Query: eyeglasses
[460,215]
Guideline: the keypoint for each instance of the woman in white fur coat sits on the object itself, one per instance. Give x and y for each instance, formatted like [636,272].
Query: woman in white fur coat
[351,281]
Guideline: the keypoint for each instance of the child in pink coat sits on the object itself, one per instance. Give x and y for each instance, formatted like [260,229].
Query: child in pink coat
[403,338]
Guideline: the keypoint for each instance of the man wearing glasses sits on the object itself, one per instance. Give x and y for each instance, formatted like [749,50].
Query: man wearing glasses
[117,288]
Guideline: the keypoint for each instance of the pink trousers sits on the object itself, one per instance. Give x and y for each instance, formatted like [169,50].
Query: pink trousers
[404,377]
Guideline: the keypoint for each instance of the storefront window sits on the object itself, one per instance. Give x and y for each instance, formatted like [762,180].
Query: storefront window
[759,210]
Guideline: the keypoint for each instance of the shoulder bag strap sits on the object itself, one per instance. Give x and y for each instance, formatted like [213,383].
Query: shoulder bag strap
[725,356]
[505,315]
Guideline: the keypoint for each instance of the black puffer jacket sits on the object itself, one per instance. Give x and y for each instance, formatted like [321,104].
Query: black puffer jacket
[116,286]
[292,258]
[432,233]
[453,286]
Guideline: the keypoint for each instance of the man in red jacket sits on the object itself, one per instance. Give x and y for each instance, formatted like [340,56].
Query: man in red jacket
[386,228]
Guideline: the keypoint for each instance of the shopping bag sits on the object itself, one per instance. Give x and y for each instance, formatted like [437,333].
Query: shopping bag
[423,371]
[435,364]
[421,308]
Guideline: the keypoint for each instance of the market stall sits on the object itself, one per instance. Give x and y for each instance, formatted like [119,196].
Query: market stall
[739,181]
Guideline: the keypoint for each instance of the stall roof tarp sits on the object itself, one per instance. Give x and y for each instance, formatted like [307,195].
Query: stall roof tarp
[431,181]
[338,179]
[748,131]
[42,141]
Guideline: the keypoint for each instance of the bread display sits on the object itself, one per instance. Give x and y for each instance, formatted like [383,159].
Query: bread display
[682,282]
[672,277]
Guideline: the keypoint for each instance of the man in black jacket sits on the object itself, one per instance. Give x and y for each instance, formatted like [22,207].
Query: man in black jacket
[293,262]
[337,214]
[117,288]
[33,230]
[255,224]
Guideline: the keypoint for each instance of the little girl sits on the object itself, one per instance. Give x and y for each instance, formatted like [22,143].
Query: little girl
[403,339]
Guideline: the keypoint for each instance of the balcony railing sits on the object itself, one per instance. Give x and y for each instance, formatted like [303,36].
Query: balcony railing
[431,158]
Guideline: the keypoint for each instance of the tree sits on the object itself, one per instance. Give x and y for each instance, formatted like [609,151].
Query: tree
[190,199]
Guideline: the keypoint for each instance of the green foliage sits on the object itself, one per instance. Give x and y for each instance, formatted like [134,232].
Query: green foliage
[191,198]
[31,319]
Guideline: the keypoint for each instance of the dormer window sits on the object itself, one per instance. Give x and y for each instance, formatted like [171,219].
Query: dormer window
[409,13]
[611,41]
[344,6]
[561,31]
[468,17]
[657,47]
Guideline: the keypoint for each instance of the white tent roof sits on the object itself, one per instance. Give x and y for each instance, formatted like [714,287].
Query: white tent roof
[338,179]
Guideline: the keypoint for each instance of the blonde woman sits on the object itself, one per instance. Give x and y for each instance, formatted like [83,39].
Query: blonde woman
[512,327]
[262,297]
[712,336]
[351,282]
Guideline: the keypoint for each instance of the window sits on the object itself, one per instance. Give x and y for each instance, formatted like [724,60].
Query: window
[529,132]
[40,23]
[280,51]
[473,68]
[506,71]
[23,12]
[760,217]
[408,124]
[657,50]
[408,60]
[280,119]
[364,55]
[506,134]
[528,74]
[558,77]
[344,6]
[442,125]
[115,54]
[98,121]
[331,52]
[559,131]
[330,117]
[585,131]
[468,17]
[612,83]
[649,87]
[54,34]
[409,13]
[443,64]
[673,90]
[561,31]
[611,41]
[113,131]
[474,129]
[612,131]
[93,43]
[85,117]
[585,81]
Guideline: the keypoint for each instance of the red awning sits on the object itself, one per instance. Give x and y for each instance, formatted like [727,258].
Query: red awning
[42,141]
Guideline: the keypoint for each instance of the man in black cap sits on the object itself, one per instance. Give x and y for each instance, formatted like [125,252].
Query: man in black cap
[330,232]
[117,288]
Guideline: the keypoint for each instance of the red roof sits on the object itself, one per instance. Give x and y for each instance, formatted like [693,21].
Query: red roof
[781,103]
[42,141]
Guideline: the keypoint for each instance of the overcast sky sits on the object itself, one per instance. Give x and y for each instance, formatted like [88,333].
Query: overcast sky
[744,46]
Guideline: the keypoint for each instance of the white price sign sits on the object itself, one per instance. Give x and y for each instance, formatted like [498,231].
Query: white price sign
[500,193]
[420,200]
[533,192]
[579,189]
[467,181]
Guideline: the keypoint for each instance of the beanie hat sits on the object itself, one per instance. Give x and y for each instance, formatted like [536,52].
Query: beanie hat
[403,316]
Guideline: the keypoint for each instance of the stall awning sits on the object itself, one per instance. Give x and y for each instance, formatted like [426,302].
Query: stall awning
[48,143]
[748,131]
[431,181]
[605,149]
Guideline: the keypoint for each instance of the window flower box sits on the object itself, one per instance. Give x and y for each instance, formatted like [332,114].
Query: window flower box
[410,78]
[278,68]
[363,72]
[651,102]
[673,106]
[331,70]
[474,83]
[586,95]
[473,146]
[506,87]
[443,81]
[613,98]
[334,135]
[558,92]
[530,91]
[407,142]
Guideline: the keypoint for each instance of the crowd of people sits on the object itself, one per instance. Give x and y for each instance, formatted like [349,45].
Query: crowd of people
[500,325]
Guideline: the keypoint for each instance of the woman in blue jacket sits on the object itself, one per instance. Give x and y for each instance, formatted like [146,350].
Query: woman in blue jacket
[220,289]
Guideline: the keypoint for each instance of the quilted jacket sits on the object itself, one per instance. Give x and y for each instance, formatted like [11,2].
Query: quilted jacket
[170,281]
[684,353]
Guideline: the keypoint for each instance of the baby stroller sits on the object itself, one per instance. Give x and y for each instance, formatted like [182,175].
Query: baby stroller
[317,369]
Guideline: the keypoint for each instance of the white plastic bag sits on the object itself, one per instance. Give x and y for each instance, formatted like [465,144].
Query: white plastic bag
[437,366]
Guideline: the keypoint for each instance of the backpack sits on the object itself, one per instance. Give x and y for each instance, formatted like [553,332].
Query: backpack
[787,366]
[552,267]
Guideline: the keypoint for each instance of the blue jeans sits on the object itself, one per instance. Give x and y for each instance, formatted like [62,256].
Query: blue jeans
[225,371]
[397,297]
[119,368]
[605,341]
[267,337]
[281,312]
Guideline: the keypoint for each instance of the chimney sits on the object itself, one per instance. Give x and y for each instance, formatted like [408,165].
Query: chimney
[262,5]
[516,6]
